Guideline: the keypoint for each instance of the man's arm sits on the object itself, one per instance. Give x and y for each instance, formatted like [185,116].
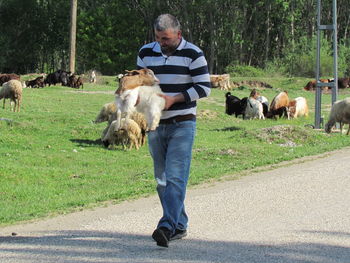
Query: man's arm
[170,100]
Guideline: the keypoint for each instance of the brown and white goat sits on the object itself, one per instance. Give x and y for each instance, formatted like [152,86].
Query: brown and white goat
[298,107]
[279,106]
[139,90]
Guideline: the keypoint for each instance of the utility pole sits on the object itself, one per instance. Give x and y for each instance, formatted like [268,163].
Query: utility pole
[73,35]
[319,84]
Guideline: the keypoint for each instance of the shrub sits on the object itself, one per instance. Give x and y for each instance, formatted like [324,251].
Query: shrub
[244,71]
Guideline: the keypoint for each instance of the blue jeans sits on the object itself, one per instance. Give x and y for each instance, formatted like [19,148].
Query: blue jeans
[171,148]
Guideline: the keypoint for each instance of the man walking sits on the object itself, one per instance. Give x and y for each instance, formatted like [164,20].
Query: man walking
[184,78]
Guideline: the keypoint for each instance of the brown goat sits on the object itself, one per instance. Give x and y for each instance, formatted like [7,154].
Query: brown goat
[279,106]
[6,77]
[135,78]
[311,85]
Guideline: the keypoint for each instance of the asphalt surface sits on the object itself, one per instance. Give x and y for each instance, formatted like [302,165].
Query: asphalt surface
[295,213]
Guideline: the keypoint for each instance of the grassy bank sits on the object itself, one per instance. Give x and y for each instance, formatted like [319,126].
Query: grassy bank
[52,160]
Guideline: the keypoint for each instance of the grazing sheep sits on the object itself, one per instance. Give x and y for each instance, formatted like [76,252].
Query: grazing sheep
[263,100]
[298,107]
[106,113]
[343,83]
[125,132]
[12,90]
[36,83]
[79,83]
[7,77]
[265,104]
[139,90]
[59,76]
[311,85]
[254,109]
[234,105]
[140,119]
[279,106]
[340,112]
[221,82]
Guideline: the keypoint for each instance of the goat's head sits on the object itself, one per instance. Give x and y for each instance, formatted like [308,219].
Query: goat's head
[329,125]
[135,78]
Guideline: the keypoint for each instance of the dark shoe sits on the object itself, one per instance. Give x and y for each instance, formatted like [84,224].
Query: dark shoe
[162,236]
[179,233]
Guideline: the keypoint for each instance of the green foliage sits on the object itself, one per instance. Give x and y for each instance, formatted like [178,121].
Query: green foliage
[35,34]
[301,59]
[244,71]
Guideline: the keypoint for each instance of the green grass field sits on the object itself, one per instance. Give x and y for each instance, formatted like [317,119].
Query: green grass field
[52,160]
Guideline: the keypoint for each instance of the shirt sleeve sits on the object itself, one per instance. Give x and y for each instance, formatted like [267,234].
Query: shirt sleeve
[201,79]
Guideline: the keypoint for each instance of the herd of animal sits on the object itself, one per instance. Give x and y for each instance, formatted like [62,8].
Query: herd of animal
[138,104]
[257,106]
[343,83]
[11,86]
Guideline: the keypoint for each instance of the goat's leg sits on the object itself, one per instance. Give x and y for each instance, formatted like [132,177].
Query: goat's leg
[15,105]
[347,133]
[19,104]
[341,127]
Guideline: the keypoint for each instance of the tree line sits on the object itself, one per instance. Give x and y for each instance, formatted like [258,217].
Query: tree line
[266,33]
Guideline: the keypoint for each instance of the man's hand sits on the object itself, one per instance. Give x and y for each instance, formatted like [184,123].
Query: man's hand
[170,100]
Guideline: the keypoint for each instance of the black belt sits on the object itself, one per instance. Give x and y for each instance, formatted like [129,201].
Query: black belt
[179,118]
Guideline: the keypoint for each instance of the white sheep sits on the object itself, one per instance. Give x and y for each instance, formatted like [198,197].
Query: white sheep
[12,90]
[127,131]
[254,109]
[106,113]
[340,112]
[109,113]
[139,90]
[140,119]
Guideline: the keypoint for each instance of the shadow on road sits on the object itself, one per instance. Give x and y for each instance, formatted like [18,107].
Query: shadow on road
[93,246]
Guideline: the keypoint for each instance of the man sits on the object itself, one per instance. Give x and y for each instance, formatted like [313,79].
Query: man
[184,78]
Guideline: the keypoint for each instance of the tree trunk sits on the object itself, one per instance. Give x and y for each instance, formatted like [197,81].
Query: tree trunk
[73,35]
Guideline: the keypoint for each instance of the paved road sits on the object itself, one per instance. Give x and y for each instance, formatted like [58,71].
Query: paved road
[295,213]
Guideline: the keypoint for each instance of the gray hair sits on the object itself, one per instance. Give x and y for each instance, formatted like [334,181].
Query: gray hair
[166,21]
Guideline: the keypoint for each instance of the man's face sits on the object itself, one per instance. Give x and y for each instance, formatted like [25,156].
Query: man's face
[168,40]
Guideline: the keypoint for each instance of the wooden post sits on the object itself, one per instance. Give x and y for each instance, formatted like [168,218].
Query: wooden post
[73,34]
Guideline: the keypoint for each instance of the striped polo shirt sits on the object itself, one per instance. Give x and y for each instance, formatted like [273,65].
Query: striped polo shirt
[185,71]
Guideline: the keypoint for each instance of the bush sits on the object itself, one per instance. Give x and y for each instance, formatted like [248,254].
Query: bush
[244,71]
[301,60]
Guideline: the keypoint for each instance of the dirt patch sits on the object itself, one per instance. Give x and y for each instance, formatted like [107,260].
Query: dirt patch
[283,135]
[207,114]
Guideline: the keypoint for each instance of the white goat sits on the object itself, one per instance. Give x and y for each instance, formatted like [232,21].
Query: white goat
[139,90]
[254,109]
[298,107]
